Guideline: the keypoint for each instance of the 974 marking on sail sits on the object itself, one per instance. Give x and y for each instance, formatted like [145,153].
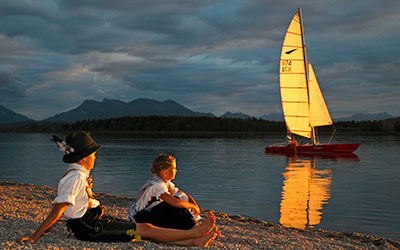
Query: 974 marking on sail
[286,66]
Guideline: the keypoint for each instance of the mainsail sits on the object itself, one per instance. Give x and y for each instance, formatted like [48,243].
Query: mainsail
[302,102]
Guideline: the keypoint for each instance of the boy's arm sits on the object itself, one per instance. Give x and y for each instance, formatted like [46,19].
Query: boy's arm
[180,203]
[190,198]
[55,213]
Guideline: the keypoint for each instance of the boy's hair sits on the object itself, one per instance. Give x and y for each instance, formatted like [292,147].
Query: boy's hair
[161,162]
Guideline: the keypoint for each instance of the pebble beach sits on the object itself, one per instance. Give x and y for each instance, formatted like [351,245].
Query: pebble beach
[24,206]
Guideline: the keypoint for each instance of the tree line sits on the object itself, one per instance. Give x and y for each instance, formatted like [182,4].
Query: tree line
[178,123]
[196,124]
[215,124]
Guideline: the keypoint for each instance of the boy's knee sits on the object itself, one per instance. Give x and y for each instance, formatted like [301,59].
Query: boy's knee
[144,229]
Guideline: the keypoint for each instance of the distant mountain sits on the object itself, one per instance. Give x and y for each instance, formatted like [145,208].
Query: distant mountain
[9,116]
[91,109]
[365,117]
[235,115]
[278,117]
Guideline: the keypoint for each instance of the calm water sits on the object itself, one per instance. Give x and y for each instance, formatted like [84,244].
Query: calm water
[234,176]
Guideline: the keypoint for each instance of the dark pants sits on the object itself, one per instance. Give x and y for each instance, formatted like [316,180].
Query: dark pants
[94,226]
[165,215]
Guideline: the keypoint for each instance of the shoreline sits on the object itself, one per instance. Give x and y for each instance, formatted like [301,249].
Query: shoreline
[24,206]
[200,134]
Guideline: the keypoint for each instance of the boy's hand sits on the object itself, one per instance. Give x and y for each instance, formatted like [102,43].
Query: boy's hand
[55,213]
[195,210]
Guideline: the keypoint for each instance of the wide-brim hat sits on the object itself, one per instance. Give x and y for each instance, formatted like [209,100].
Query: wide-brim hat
[80,144]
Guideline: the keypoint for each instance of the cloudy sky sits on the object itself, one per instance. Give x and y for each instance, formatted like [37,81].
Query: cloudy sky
[211,56]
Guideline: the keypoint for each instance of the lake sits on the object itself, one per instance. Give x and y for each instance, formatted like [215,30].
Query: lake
[234,175]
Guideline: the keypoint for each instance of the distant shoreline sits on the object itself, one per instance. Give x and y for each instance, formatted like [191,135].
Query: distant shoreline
[193,125]
[162,134]
[24,206]
[197,134]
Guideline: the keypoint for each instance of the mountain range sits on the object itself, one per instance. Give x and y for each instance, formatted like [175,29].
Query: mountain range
[365,117]
[107,108]
[235,115]
[9,116]
[91,109]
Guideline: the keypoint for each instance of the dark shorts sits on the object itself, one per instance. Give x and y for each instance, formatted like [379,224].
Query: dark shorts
[95,226]
[167,216]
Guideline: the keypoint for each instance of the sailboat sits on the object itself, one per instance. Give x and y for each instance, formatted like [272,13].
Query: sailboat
[303,105]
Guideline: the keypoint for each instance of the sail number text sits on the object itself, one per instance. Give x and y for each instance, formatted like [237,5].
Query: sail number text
[286,66]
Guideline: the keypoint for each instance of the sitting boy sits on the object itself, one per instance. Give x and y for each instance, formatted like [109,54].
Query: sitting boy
[160,202]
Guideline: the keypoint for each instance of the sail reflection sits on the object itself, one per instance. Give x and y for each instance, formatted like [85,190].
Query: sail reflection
[305,190]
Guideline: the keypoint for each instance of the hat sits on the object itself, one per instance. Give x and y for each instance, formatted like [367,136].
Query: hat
[79,144]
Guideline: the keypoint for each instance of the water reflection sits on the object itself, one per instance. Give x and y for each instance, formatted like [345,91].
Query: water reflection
[305,190]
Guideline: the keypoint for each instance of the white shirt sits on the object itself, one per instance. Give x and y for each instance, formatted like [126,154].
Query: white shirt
[72,189]
[154,187]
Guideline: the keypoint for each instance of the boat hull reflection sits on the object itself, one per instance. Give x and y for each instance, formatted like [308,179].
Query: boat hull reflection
[311,149]
[349,156]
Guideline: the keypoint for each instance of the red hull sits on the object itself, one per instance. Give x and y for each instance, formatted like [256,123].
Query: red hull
[314,149]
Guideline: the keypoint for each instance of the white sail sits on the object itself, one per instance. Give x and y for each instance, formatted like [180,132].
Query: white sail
[303,105]
[293,81]
[319,114]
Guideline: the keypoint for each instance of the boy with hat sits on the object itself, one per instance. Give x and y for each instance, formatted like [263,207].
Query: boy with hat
[85,216]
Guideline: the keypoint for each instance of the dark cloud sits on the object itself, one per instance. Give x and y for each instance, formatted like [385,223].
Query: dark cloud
[11,85]
[211,56]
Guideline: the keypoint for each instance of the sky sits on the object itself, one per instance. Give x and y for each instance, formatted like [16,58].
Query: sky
[210,56]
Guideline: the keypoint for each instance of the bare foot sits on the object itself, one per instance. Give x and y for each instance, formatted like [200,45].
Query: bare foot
[205,240]
[207,225]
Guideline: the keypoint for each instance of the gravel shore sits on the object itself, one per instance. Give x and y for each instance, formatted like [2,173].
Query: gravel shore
[24,206]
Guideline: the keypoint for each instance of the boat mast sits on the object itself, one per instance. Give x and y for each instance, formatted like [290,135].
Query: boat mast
[306,70]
